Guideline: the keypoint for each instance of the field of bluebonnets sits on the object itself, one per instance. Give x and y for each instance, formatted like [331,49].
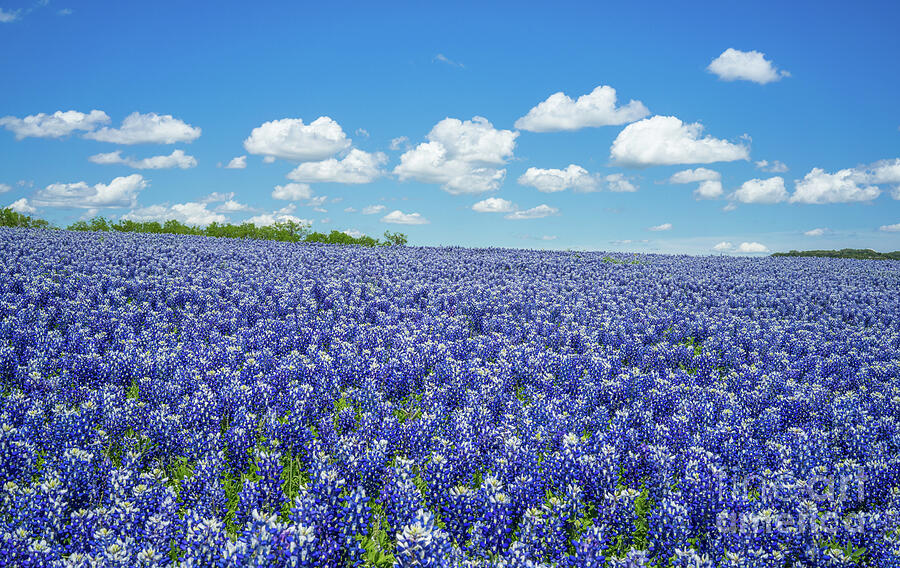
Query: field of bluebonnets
[188,401]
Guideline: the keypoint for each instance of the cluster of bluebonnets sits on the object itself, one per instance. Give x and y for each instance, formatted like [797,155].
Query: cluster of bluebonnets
[187,401]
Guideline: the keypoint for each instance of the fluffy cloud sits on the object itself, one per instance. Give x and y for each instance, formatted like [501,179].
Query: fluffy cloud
[844,186]
[283,215]
[177,159]
[464,157]
[494,205]
[735,65]
[723,246]
[356,167]
[120,192]
[292,192]
[4,188]
[150,128]
[710,182]
[816,232]
[665,140]
[598,108]
[663,227]
[56,125]
[232,206]
[762,191]
[695,175]
[885,171]
[400,218]
[372,209]
[237,163]
[190,213]
[708,190]
[354,233]
[619,183]
[890,228]
[774,166]
[534,213]
[753,247]
[291,139]
[21,206]
[552,180]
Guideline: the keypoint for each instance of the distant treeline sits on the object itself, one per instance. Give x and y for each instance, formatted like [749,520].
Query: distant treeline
[289,231]
[862,254]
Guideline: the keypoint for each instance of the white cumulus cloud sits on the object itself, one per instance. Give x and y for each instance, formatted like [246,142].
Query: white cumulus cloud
[291,139]
[723,246]
[733,65]
[400,218]
[282,215]
[56,125]
[553,180]
[22,206]
[232,206]
[292,192]
[666,140]
[619,183]
[150,128]
[890,228]
[538,212]
[4,187]
[177,159]
[190,213]
[494,205]
[710,189]
[816,232]
[598,108]
[461,156]
[237,163]
[848,185]
[710,182]
[663,227]
[120,192]
[769,190]
[885,171]
[695,175]
[753,247]
[356,167]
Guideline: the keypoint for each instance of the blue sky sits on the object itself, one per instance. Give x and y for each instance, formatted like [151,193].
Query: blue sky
[442,122]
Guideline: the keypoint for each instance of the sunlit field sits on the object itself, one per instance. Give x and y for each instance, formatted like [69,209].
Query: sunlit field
[188,401]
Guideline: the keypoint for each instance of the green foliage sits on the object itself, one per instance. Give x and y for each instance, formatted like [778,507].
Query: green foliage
[377,544]
[177,470]
[294,476]
[856,555]
[10,218]
[642,507]
[285,231]
[861,254]
[394,239]
[691,342]
[133,391]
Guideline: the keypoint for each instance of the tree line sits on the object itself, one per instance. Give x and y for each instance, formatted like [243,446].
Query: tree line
[288,231]
[862,254]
